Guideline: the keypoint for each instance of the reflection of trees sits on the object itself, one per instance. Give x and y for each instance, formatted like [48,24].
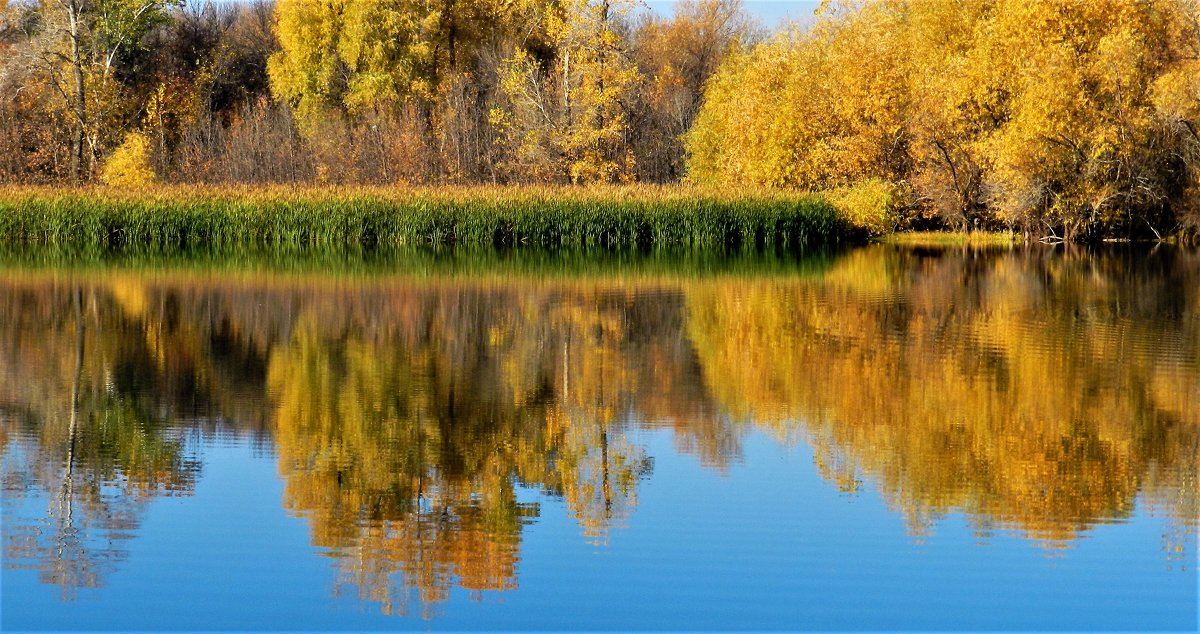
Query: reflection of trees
[374,458]
[89,448]
[1044,393]
[404,443]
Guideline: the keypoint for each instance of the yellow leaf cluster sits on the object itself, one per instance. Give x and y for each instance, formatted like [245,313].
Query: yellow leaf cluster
[129,165]
[1079,117]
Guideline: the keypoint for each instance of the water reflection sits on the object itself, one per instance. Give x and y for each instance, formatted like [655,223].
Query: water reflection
[76,430]
[1042,392]
[1039,392]
[402,437]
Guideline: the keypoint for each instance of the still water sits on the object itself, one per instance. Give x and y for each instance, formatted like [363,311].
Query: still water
[878,439]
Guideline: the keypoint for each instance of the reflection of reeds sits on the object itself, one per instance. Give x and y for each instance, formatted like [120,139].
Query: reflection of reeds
[429,265]
[238,220]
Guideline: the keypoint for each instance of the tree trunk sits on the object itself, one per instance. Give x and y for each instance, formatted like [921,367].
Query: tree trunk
[78,167]
[567,87]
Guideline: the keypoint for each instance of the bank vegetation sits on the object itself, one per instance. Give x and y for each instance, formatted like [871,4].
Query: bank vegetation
[229,220]
[1061,121]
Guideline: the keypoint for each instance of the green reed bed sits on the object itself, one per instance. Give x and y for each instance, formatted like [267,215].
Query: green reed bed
[221,221]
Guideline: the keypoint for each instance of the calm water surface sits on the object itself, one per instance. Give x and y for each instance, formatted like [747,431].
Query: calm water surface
[881,439]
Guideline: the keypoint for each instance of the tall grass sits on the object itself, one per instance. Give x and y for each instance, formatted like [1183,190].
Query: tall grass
[222,220]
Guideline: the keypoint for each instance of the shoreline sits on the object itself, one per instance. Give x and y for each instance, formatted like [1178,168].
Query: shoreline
[337,218]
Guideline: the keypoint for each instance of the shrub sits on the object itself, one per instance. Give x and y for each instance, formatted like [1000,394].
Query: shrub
[874,205]
[129,165]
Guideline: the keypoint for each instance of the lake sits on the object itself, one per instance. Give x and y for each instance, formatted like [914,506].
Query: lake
[876,439]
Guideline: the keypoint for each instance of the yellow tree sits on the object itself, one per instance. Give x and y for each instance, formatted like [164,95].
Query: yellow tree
[1176,95]
[351,55]
[77,47]
[1066,118]
[360,74]
[676,57]
[810,109]
[1078,149]
[957,99]
[572,121]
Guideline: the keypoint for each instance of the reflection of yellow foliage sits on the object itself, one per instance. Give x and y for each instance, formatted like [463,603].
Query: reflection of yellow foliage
[56,375]
[961,393]
[130,295]
[1035,391]
[403,447]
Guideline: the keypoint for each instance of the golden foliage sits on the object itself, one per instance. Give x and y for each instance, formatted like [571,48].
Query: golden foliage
[353,55]
[872,205]
[812,110]
[1043,393]
[979,397]
[573,120]
[425,423]
[1071,117]
[129,165]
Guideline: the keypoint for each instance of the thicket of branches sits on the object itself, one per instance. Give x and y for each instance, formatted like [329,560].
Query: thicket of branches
[428,91]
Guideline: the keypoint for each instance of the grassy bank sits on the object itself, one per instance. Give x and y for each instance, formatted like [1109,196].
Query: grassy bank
[233,220]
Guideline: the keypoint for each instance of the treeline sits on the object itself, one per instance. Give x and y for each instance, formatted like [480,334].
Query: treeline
[1068,119]
[337,91]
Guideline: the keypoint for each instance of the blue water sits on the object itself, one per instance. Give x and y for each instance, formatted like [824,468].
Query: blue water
[768,545]
[239,503]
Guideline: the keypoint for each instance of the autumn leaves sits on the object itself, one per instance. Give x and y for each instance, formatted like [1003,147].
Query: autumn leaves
[1062,119]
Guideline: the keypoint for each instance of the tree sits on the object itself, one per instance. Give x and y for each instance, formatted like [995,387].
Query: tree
[77,47]
[210,77]
[815,109]
[1069,120]
[568,117]
[1079,151]
[676,57]
[352,55]
[129,165]
[958,99]
[1176,96]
